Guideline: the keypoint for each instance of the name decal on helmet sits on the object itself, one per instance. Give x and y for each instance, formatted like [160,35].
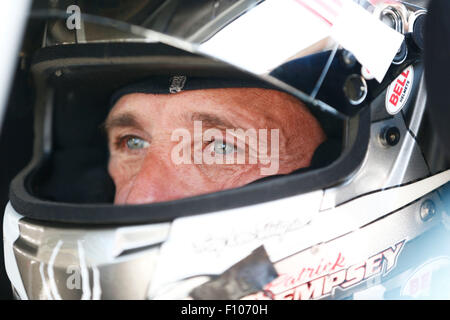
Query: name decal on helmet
[321,280]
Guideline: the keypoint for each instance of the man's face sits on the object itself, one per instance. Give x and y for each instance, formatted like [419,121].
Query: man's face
[148,134]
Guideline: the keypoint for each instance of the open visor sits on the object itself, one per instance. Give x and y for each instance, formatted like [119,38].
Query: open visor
[336,55]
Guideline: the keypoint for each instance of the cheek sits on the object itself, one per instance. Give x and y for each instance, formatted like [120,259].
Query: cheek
[122,171]
[185,180]
[228,176]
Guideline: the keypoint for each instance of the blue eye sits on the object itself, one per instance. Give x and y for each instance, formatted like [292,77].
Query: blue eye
[135,143]
[221,147]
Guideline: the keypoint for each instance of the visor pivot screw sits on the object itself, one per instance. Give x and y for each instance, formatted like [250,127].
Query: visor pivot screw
[427,210]
[401,55]
[390,136]
[355,89]
[348,58]
[58,73]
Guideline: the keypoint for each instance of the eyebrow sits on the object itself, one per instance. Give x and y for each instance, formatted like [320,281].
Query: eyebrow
[211,120]
[124,120]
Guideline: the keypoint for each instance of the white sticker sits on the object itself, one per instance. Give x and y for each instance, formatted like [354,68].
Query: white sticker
[398,92]
[366,74]
[277,30]
[372,42]
[267,36]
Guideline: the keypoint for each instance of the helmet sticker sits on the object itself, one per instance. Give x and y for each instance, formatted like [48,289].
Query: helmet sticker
[321,280]
[419,283]
[398,92]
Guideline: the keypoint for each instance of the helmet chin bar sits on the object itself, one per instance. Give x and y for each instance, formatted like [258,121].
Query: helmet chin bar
[318,249]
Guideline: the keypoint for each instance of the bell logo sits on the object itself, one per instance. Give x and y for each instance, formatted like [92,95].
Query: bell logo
[398,92]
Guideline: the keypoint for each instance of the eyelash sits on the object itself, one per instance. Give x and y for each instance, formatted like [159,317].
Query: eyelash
[207,143]
[119,141]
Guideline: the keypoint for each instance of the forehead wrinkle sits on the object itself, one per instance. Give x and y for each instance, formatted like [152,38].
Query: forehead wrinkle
[210,120]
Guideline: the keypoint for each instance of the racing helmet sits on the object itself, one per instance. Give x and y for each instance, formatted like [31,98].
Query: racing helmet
[368,219]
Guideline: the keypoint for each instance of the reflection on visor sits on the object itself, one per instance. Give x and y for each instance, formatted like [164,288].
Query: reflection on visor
[280,41]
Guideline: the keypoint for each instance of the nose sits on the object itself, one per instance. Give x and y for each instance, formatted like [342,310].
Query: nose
[157,180]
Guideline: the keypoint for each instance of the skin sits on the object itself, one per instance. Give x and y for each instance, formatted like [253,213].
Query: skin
[147,173]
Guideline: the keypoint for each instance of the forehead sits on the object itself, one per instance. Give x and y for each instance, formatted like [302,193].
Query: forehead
[238,102]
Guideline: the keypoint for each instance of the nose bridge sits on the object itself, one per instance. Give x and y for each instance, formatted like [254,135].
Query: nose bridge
[157,156]
[153,180]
